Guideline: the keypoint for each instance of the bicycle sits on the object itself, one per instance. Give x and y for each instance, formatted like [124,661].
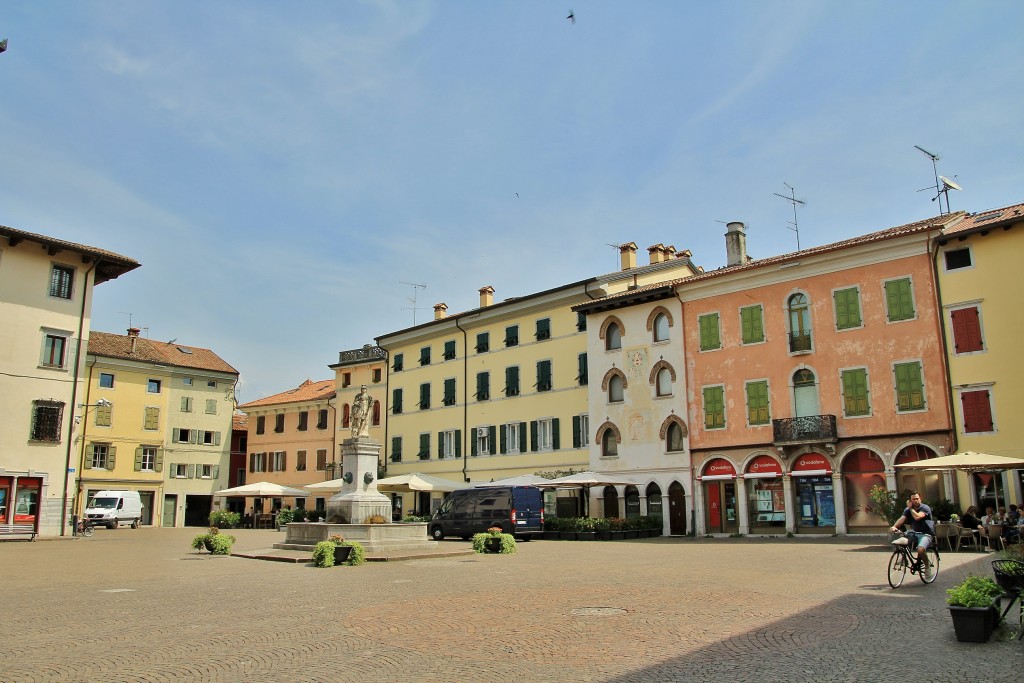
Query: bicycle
[904,557]
[84,528]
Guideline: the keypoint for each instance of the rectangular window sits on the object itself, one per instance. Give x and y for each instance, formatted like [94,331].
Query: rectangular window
[449,350]
[46,420]
[303,420]
[151,418]
[581,322]
[396,401]
[966,324]
[321,419]
[424,396]
[449,392]
[757,403]
[752,324]
[346,379]
[484,441]
[261,424]
[187,381]
[321,459]
[184,435]
[512,380]
[513,437]
[425,355]
[106,380]
[977,407]
[581,369]
[543,375]
[147,459]
[279,461]
[206,472]
[211,406]
[580,431]
[855,392]
[899,299]
[211,438]
[279,423]
[424,452]
[483,342]
[398,363]
[300,461]
[958,258]
[544,434]
[483,386]
[378,374]
[98,457]
[710,338]
[103,415]
[449,444]
[847,304]
[543,329]
[61,281]
[714,407]
[396,449]
[186,404]
[54,351]
[179,471]
[212,384]
[909,386]
[512,335]
[153,386]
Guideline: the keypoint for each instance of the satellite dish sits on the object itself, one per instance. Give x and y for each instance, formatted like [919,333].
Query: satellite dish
[948,184]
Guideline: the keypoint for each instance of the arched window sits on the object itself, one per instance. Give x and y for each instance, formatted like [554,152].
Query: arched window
[609,446]
[799,323]
[675,439]
[653,494]
[376,413]
[615,393]
[661,328]
[613,338]
[611,502]
[664,383]
[632,496]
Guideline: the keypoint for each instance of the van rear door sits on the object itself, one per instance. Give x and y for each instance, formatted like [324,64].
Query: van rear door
[528,502]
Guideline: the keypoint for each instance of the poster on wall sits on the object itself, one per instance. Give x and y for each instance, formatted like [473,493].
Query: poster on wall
[826,506]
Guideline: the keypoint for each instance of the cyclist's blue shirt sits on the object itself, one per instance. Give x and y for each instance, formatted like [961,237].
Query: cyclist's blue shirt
[925,525]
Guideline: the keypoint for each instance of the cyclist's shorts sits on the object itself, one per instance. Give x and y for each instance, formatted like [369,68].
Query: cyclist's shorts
[923,540]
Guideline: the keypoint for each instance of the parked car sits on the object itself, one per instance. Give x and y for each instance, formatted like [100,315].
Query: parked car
[517,510]
[113,508]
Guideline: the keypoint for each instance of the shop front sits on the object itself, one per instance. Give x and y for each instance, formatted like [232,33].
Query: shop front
[929,484]
[862,469]
[719,487]
[19,503]
[813,492]
[766,499]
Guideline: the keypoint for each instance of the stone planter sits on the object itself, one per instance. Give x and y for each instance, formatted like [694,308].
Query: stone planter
[567,535]
[493,545]
[341,554]
[973,624]
[603,535]
[586,535]
[550,535]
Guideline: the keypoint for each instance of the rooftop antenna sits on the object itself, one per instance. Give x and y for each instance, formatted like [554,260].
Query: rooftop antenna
[130,326]
[938,188]
[616,248]
[415,286]
[794,226]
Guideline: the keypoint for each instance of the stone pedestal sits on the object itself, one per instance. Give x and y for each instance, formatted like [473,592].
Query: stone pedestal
[359,497]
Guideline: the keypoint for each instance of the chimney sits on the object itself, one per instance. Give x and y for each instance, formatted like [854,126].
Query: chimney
[133,334]
[627,255]
[668,253]
[440,311]
[656,251]
[736,243]
[486,296]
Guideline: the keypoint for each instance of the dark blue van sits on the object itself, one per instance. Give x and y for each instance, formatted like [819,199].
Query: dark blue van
[518,510]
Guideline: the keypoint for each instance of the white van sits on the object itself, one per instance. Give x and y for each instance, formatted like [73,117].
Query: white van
[112,508]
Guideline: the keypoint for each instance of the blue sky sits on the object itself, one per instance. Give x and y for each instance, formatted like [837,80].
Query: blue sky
[280,169]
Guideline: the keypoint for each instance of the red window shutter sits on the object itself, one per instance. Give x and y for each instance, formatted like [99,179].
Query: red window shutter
[966,330]
[977,411]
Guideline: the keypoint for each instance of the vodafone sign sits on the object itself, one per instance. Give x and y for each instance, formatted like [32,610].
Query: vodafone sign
[763,467]
[812,464]
[719,468]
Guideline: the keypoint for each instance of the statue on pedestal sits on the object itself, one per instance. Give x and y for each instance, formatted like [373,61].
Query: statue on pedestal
[362,407]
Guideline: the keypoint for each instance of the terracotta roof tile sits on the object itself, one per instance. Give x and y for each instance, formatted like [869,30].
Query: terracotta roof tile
[307,391]
[987,219]
[151,351]
[110,266]
[239,421]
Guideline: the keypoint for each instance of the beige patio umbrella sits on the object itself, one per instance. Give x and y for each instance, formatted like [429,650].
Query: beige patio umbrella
[263,489]
[967,461]
[415,481]
[329,485]
[521,480]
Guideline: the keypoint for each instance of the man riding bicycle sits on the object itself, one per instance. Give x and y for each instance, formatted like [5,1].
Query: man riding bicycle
[923,528]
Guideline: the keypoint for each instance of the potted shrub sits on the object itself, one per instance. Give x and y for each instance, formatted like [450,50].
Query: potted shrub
[602,529]
[336,551]
[214,541]
[616,528]
[222,519]
[567,529]
[585,529]
[972,610]
[552,525]
[284,516]
[494,541]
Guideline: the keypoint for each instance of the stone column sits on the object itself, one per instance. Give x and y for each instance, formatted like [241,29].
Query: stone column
[787,492]
[839,502]
[741,506]
[359,497]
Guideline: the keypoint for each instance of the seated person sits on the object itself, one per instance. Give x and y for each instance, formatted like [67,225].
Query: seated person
[970,521]
[1013,516]
[991,516]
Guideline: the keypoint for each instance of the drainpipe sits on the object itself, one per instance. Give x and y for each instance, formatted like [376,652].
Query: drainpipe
[950,403]
[74,397]
[693,480]
[465,393]
[387,397]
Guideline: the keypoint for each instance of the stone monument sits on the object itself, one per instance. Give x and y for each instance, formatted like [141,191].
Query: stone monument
[359,497]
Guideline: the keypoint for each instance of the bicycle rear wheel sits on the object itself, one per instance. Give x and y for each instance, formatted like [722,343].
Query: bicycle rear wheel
[930,573]
[897,569]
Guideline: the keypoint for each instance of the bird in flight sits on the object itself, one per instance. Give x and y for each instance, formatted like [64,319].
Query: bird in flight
[571,17]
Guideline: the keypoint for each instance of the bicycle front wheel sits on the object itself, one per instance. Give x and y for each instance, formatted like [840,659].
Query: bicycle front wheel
[929,573]
[897,569]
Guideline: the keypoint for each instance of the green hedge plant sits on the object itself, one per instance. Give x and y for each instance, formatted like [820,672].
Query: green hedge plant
[974,591]
[214,541]
[508,541]
[224,519]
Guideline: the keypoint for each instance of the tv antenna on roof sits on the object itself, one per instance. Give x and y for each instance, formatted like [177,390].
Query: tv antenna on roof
[616,247]
[942,184]
[794,226]
[415,286]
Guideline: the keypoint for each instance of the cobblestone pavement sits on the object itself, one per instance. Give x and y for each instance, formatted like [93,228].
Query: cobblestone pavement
[140,605]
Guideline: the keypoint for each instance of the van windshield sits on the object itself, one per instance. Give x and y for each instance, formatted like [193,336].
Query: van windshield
[107,503]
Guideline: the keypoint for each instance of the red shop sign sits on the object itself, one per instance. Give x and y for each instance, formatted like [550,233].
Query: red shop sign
[764,466]
[812,462]
[719,468]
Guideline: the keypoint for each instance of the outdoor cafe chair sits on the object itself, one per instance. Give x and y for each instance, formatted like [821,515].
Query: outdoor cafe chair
[948,533]
[994,535]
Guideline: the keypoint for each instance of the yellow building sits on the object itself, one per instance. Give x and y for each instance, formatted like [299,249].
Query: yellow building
[158,420]
[501,390]
[46,288]
[978,270]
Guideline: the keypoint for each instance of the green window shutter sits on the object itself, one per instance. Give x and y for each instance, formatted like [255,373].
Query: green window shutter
[449,392]
[88,456]
[709,339]
[504,440]
[909,386]
[757,403]
[424,446]
[111,457]
[899,298]
[577,440]
[193,436]
[543,375]
[752,323]
[458,443]
[440,445]
[398,363]
[522,437]
[159,467]
[555,440]
[492,435]
[216,471]
[855,392]
[543,329]
[847,302]
[190,471]
[582,369]
[138,459]
[533,436]
[175,434]
[714,408]
[396,401]
[474,448]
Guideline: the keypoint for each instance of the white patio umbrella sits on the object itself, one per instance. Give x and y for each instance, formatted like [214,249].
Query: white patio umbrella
[521,480]
[968,461]
[418,482]
[263,489]
[584,480]
[329,485]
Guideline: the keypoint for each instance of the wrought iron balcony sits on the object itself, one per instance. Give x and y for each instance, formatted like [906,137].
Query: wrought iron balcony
[799,341]
[807,429]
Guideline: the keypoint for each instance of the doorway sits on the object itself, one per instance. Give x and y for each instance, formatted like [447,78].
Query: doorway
[197,510]
[676,509]
[720,508]
[170,510]
[147,506]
